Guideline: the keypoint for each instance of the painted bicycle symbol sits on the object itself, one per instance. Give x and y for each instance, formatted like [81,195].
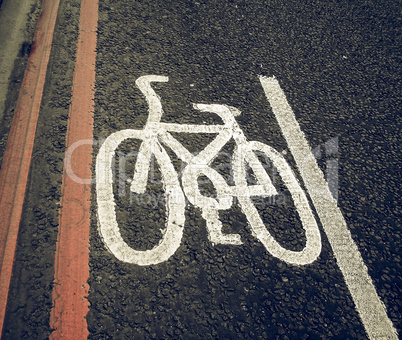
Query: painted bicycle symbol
[155,137]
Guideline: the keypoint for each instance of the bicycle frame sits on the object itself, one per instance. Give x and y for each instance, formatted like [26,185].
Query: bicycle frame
[157,131]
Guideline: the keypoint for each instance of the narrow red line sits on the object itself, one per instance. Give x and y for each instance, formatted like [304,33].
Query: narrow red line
[17,157]
[70,304]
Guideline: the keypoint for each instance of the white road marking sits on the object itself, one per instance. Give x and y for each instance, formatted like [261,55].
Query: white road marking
[109,228]
[369,306]
[156,132]
[209,205]
[312,248]
[190,128]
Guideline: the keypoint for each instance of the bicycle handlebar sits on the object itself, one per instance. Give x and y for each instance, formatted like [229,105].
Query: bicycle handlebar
[154,102]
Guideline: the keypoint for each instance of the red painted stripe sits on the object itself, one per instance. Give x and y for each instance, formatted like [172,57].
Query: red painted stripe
[70,304]
[17,157]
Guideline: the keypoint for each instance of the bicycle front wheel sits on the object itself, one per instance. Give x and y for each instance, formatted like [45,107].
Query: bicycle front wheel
[175,203]
[312,248]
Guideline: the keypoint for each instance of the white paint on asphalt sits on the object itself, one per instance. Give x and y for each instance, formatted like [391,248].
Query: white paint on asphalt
[156,132]
[368,304]
[109,228]
[312,248]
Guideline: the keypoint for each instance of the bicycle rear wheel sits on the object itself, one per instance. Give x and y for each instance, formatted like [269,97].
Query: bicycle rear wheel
[312,248]
[175,203]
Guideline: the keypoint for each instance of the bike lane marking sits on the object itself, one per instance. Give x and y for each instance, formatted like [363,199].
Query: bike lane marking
[17,156]
[197,165]
[371,309]
[70,292]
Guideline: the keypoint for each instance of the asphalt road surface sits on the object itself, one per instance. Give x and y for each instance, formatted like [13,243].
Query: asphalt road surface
[338,65]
